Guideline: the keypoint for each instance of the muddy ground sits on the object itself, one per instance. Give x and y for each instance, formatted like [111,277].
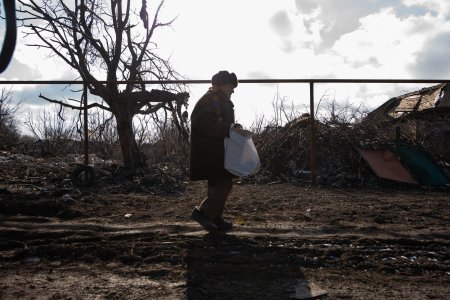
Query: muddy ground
[126,239]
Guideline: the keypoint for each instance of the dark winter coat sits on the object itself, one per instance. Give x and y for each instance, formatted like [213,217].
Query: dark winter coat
[210,123]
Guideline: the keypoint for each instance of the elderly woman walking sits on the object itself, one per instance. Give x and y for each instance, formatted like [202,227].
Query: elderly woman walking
[211,119]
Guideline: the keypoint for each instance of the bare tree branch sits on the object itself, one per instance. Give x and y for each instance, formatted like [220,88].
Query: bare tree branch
[100,38]
[92,105]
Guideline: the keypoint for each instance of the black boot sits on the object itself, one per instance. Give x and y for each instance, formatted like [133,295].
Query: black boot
[202,220]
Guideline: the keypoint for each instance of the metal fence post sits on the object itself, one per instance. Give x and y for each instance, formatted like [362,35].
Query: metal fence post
[86,127]
[312,141]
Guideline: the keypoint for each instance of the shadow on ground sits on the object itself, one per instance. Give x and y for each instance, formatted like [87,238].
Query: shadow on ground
[230,267]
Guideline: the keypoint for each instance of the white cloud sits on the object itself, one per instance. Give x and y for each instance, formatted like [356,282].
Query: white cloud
[281,23]
[440,7]
[381,38]
[337,17]
[31,63]
[307,39]
[290,39]
[434,60]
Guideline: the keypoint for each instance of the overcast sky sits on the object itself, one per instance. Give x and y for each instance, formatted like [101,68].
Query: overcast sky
[384,39]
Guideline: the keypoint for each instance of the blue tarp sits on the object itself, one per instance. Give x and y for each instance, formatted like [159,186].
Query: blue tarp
[422,166]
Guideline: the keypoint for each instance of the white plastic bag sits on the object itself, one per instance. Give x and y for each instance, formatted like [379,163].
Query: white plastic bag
[241,157]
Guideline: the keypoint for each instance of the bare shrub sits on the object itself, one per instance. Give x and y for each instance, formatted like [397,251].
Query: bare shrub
[165,142]
[278,146]
[103,137]
[285,150]
[9,133]
[330,111]
[339,131]
[54,131]
[156,135]
[283,113]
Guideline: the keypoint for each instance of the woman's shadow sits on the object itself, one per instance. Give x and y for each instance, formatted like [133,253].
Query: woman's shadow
[224,266]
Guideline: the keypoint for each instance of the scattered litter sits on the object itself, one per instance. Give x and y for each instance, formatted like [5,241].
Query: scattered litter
[56,263]
[128,216]
[307,290]
[334,258]
[32,259]
[44,191]
[67,199]
[239,221]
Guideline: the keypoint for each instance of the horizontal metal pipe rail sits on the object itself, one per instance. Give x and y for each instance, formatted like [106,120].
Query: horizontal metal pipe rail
[287,80]
[311,83]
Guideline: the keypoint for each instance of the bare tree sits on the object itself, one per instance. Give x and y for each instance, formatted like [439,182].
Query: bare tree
[104,38]
[8,113]
[55,130]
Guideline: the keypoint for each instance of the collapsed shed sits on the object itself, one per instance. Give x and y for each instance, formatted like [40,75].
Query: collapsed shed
[423,116]
[435,99]
[422,121]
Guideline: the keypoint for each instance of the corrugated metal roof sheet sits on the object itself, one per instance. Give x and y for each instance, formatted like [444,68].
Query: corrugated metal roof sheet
[437,96]
[429,99]
[408,103]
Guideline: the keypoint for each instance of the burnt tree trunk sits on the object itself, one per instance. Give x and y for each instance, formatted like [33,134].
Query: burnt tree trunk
[130,153]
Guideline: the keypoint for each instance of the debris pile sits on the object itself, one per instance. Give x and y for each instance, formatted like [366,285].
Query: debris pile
[285,151]
[424,118]
[154,179]
[52,176]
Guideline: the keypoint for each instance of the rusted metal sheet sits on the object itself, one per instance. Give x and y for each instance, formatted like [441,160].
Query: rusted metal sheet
[386,165]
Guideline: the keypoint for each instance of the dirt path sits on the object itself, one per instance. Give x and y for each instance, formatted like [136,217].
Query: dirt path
[179,260]
[354,244]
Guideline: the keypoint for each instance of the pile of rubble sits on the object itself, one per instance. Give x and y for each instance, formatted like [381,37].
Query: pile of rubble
[419,119]
[285,151]
[285,154]
[31,175]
